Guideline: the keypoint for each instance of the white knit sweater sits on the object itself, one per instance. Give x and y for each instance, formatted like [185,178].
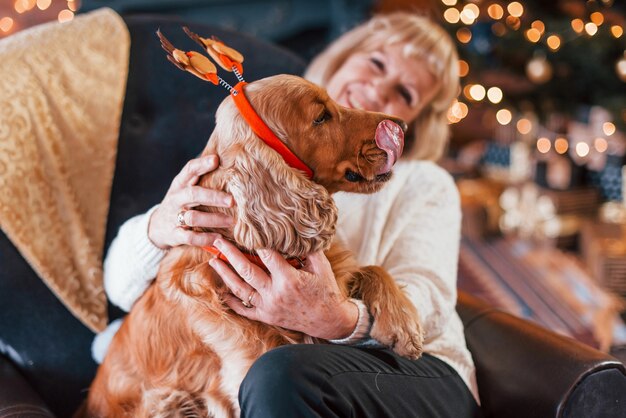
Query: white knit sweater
[411,228]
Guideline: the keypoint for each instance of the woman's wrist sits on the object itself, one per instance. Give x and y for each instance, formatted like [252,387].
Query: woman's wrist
[361,328]
[349,320]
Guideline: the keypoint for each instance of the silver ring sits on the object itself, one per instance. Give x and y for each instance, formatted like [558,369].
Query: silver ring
[180,219]
[248,303]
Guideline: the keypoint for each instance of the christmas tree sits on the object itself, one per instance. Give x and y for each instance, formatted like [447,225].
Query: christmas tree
[549,56]
[549,75]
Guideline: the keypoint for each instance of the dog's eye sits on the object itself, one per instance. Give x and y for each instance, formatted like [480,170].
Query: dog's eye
[323,117]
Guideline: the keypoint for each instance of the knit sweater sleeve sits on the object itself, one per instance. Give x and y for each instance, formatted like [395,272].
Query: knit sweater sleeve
[131,263]
[420,245]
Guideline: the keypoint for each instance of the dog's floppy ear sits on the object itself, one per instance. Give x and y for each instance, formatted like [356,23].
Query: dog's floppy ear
[276,206]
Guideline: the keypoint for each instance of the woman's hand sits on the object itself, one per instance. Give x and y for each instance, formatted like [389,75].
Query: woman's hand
[306,300]
[164,229]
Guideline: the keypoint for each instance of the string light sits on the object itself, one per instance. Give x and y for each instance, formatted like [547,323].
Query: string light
[494,94]
[591,28]
[504,116]
[6,24]
[608,128]
[561,145]
[539,70]
[457,112]
[544,145]
[467,16]
[449,2]
[600,144]
[452,15]
[554,42]
[464,110]
[620,68]
[472,10]
[463,68]
[617,31]
[464,35]
[43,4]
[19,6]
[22,6]
[524,126]
[515,9]
[495,11]
[538,25]
[582,149]
[72,5]
[578,25]
[597,18]
[466,91]
[65,15]
[533,35]
[477,92]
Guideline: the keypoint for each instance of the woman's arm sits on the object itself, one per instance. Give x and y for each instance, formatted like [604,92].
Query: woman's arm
[131,262]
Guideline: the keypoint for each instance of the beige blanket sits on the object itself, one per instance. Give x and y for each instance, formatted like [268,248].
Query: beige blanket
[61,95]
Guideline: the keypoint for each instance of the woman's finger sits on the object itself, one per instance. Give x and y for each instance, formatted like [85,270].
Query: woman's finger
[196,239]
[207,220]
[235,304]
[195,196]
[251,273]
[275,263]
[190,173]
[237,286]
[317,263]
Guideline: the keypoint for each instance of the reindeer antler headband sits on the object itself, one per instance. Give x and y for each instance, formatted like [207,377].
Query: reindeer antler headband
[230,60]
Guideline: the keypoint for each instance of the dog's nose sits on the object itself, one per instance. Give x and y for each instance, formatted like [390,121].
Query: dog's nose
[400,123]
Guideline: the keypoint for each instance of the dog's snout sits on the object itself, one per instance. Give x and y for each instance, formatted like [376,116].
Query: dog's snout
[400,123]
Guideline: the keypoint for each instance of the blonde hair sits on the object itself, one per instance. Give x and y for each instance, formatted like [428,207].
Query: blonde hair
[423,39]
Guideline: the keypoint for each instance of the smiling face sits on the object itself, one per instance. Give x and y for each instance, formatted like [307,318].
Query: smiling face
[347,149]
[384,80]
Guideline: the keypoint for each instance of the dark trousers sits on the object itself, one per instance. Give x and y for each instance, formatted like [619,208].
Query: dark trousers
[302,381]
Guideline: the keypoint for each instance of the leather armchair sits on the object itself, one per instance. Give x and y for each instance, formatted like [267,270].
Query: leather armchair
[45,364]
[524,370]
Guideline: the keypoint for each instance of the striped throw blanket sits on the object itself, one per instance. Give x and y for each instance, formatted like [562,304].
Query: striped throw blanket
[542,284]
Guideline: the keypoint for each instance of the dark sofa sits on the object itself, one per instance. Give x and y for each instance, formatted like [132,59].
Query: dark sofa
[45,360]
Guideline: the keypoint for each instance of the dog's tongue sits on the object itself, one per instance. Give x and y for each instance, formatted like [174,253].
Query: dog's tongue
[389,138]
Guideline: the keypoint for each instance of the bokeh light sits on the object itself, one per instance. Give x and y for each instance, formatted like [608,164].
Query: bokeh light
[495,11]
[65,15]
[494,94]
[582,149]
[515,9]
[544,145]
[600,144]
[463,68]
[561,145]
[504,116]
[608,128]
[554,42]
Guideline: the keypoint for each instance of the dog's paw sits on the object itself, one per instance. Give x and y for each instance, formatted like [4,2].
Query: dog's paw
[402,333]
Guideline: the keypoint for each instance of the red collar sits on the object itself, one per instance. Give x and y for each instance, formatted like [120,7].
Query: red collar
[255,259]
[264,132]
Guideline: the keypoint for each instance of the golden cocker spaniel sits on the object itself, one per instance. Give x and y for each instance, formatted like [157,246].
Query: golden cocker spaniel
[181,351]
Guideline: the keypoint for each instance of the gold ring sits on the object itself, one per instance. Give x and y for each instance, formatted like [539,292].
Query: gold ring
[248,303]
[180,219]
